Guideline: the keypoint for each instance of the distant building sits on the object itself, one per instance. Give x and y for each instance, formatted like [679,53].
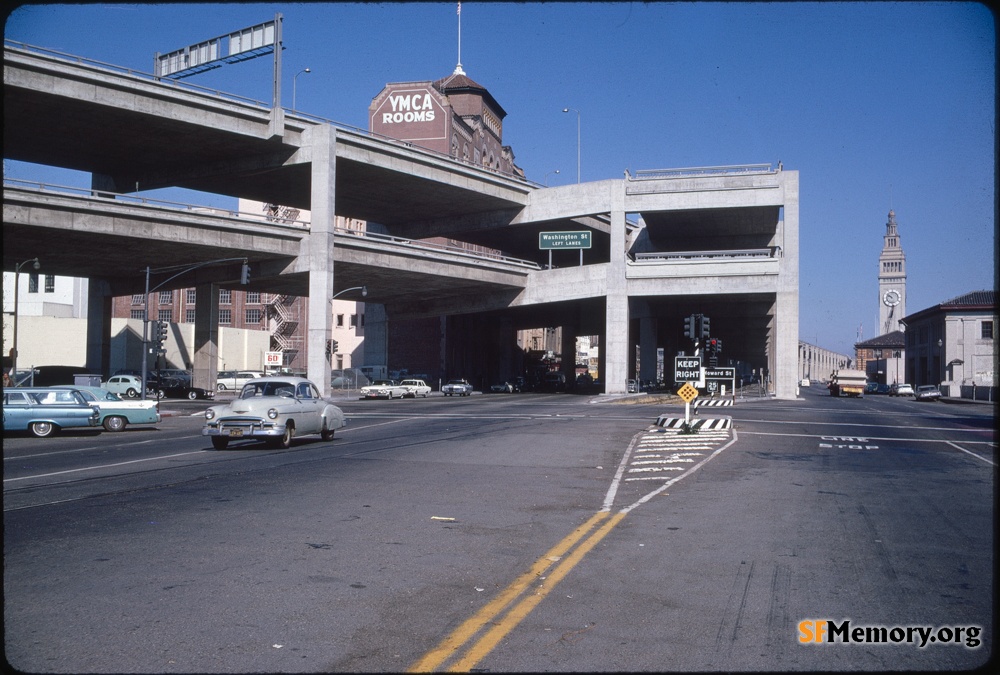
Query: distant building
[883,358]
[891,278]
[954,344]
[816,363]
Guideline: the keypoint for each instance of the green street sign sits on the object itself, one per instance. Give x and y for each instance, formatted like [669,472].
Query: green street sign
[568,240]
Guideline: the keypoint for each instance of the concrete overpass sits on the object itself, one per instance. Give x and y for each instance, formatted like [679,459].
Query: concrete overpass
[722,242]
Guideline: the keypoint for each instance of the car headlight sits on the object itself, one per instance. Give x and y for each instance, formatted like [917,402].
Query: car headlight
[210,414]
[272,413]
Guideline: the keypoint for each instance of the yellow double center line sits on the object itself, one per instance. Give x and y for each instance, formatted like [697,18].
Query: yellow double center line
[518,597]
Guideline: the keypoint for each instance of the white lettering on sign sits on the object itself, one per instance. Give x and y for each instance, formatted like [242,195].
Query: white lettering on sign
[409,108]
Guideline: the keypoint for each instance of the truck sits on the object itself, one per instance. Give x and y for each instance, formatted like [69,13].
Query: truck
[847,382]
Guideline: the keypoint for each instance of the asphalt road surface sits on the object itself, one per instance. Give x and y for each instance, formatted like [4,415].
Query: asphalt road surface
[511,533]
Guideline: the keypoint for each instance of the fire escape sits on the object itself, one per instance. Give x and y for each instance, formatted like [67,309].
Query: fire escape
[284,311]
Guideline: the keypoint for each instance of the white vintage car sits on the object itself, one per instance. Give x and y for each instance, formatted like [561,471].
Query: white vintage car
[415,388]
[383,389]
[273,409]
[457,388]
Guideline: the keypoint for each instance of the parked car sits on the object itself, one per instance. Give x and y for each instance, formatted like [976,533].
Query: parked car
[415,388]
[43,411]
[235,379]
[928,392]
[128,386]
[273,410]
[502,388]
[457,387]
[117,413]
[383,389]
[902,389]
[181,388]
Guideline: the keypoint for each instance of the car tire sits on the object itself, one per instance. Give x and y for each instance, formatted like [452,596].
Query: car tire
[220,442]
[42,429]
[115,423]
[285,441]
[131,393]
[326,434]
[192,395]
[220,387]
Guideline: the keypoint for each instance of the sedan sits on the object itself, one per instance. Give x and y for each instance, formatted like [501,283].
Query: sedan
[383,389]
[44,411]
[901,390]
[273,410]
[129,386]
[928,392]
[502,388]
[415,388]
[116,413]
[457,388]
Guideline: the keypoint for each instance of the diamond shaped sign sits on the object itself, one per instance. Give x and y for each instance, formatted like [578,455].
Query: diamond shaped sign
[687,392]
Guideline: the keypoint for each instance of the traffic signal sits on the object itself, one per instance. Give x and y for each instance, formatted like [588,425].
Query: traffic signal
[245,274]
[161,331]
[331,349]
[689,329]
[704,329]
[333,346]
[712,346]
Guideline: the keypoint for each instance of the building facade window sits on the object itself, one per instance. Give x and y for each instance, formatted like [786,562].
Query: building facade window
[50,283]
[354,320]
[253,297]
[225,317]
[340,321]
[33,282]
[188,316]
[137,314]
[137,298]
[225,296]
[166,315]
[253,317]
[166,297]
[987,330]
[191,296]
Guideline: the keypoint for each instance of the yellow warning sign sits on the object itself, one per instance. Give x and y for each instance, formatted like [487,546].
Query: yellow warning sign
[687,392]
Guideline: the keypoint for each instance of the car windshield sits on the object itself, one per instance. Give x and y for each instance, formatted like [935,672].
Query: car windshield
[255,389]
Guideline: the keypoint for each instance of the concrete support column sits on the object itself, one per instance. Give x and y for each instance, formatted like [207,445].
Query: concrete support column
[568,349]
[205,373]
[376,344]
[786,316]
[614,346]
[318,253]
[99,309]
[647,348]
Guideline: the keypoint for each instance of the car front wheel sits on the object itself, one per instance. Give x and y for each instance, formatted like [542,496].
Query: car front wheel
[285,441]
[220,442]
[131,393]
[192,395]
[114,423]
[326,434]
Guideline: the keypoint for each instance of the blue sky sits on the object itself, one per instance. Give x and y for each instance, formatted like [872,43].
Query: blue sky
[877,105]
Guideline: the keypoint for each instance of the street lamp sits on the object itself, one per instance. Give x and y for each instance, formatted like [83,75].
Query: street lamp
[556,171]
[17,277]
[878,357]
[566,110]
[295,82]
[363,289]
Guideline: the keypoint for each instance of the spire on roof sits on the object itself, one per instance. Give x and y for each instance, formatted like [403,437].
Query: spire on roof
[458,68]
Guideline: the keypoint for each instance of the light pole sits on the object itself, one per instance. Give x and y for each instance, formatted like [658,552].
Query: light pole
[295,78]
[17,277]
[363,289]
[878,357]
[566,110]
[556,171]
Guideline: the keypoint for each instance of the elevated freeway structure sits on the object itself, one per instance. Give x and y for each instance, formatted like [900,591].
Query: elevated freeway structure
[720,241]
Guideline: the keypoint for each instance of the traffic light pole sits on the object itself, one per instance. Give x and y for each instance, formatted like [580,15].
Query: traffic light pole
[244,279]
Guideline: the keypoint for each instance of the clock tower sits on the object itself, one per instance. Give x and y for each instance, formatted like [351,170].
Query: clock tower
[891,279]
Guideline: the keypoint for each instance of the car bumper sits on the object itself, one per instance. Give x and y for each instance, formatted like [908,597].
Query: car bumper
[244,428]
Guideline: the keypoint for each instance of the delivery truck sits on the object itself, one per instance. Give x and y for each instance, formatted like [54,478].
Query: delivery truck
[847,382]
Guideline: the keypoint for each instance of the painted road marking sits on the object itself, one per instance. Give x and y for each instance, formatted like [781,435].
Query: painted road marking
[506,611]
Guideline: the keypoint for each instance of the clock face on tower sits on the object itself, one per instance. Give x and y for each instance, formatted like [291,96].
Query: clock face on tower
[891,298]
